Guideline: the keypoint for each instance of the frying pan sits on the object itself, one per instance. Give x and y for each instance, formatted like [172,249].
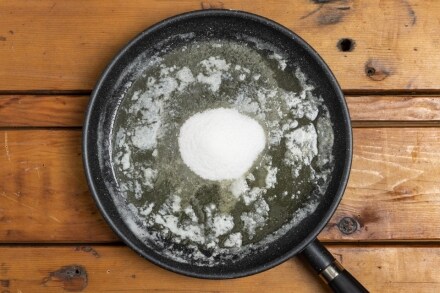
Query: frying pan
[223,25]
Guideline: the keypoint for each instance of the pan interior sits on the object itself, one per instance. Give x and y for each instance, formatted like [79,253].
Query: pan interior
[207,222]
[267,59]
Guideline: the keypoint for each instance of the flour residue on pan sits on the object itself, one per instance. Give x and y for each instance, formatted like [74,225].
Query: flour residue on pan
[205,222]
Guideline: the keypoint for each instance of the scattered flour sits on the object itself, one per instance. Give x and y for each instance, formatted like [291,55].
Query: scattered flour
[222,224]
[253,195]
[215,68]
[271,177]
[239,186]
[301,146]
[257,219]
[171,223]
[125,161]
[149,176]
[145,137]
[234,240]
[146,210]
[282,63]
[222,144]
[185,77]
[250,177]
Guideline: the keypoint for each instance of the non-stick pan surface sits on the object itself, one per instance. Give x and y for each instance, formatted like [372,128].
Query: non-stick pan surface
[220,25]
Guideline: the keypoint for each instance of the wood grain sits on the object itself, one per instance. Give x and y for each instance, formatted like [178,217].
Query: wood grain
[43,193]
[118,269]
[394,187]
[64,45]
[393,192]
[42,110]
[68,111]
[394,108]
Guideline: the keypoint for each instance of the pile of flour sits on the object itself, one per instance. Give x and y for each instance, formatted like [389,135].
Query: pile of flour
[209,151]
[220,144]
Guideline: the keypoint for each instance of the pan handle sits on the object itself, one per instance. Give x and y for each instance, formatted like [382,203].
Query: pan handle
[330,270]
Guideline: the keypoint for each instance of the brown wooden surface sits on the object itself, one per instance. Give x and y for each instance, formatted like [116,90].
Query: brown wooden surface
[394,108]
[44,195]
[68,110]
[64,45]
[393,192]
[118,269]
[42,110]
[393,197]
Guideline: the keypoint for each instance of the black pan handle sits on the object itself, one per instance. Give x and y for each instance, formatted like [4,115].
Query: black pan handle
[330,270]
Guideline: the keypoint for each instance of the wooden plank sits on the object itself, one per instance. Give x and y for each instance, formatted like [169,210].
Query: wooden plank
[42,110]
[43,193]
[394,108]
[64,45]
[67,111]
[118,269]
[393,192]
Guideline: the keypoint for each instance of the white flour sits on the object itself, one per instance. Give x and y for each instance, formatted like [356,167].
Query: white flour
[220,144]
[215,68]
[301,147]
[234,240]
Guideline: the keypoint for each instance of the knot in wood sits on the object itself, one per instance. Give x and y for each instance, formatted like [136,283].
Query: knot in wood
[348,225]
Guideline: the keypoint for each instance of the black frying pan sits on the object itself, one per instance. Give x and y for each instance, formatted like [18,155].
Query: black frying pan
[223,24]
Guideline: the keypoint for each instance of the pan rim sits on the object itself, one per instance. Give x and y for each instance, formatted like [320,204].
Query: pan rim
[344,174]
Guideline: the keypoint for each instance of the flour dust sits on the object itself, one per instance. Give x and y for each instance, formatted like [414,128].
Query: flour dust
[206,222]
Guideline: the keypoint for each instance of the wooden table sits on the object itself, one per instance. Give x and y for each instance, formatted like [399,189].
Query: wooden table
[386,57]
